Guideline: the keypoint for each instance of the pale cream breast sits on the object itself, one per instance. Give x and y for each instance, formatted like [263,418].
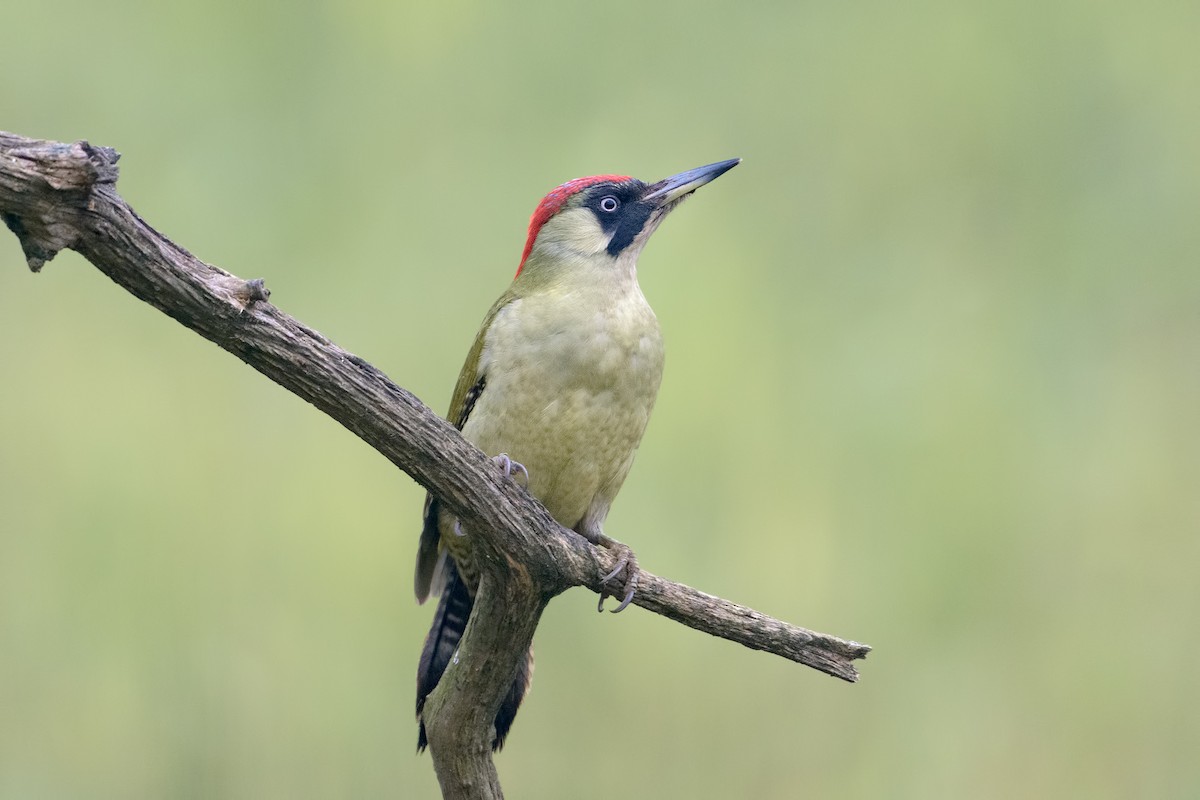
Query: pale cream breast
[570,401]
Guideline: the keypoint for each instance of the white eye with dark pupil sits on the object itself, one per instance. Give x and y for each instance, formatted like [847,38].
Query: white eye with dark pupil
[609,203]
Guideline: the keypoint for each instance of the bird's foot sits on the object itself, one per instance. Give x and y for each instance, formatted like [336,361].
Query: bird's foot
[511,468]
[627,564]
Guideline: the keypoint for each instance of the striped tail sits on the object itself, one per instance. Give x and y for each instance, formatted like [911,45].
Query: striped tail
[449,622]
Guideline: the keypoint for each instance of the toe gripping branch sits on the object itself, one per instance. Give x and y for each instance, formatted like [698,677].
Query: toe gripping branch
[508,468]
[627,563]
[626,560]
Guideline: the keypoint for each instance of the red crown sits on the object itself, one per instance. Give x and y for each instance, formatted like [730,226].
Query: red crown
[552,203]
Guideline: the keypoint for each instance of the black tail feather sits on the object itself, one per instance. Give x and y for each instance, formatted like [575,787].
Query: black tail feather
[512,700]
[449,622]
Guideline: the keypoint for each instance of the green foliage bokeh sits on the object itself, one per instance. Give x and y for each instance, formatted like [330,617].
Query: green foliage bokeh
[932,383]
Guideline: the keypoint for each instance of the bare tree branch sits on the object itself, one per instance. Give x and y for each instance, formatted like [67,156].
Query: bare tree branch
[55,196]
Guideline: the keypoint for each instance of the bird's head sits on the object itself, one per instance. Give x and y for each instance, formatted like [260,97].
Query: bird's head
[605,217]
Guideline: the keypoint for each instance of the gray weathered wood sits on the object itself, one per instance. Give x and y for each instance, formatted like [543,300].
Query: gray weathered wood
[55,196]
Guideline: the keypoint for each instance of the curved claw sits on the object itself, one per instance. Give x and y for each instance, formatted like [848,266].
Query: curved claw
[628,599]
[521,469]
[621,562]
[625,561]
[508,467]
[624,604]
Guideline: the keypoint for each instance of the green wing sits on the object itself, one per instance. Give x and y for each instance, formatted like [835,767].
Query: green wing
[472,381]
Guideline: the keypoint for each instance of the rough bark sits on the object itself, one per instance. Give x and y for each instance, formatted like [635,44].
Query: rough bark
[55,196]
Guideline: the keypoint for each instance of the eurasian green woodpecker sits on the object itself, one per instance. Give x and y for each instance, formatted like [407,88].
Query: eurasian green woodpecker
[558,386]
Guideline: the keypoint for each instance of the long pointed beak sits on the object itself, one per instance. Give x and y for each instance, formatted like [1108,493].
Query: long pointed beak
[676,187]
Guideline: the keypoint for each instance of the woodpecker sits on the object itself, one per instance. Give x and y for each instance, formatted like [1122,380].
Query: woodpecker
[558,387]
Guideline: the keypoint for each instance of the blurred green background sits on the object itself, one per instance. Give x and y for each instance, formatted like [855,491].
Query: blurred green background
[932,383]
